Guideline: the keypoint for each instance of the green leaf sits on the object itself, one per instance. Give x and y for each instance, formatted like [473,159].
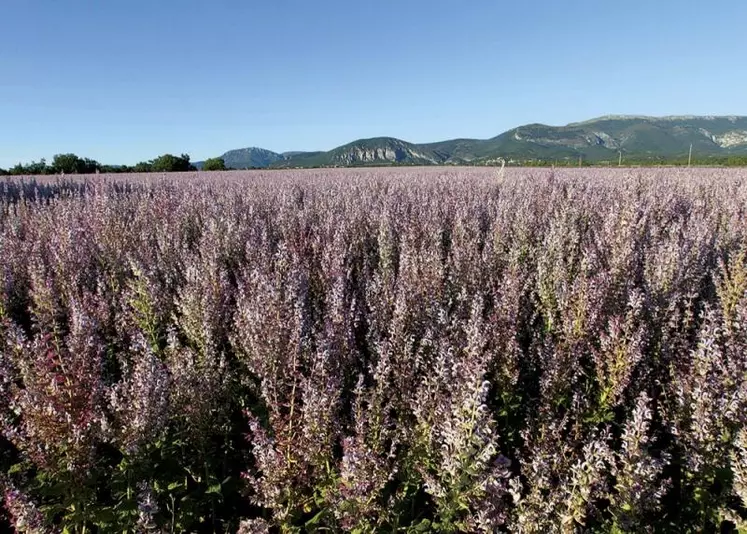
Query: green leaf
[316,520]
[424,526]
[15,468]
[175,485]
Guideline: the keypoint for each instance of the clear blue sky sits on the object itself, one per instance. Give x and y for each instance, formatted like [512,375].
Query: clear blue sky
[122,81]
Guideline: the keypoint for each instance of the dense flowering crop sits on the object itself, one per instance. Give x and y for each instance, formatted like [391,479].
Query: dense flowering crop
[402,350]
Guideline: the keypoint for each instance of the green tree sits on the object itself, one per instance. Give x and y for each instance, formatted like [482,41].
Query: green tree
[114,169]
[143,166]
[171,163]
[214,164]
[34,167]
[91,166]
[72,164]
[3,172]
[17,169]
[66,163]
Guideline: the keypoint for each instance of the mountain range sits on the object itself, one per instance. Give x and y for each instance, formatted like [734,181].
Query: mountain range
[603,139]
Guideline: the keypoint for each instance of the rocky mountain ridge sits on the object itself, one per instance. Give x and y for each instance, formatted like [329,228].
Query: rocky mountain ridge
[601,139]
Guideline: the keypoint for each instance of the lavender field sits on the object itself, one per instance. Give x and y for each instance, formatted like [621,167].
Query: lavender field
[376,350]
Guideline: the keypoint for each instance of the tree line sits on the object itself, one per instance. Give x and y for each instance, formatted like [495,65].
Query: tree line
[73,164]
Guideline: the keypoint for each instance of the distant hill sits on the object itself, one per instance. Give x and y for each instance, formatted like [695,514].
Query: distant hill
[638,137]
[602,139]
[296,153]
[243,158]
[375,151]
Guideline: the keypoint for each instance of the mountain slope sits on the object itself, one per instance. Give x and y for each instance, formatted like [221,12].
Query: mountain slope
[455,150]
[640,137]
[382,150]
[374,151]
[595,140]
[250,157]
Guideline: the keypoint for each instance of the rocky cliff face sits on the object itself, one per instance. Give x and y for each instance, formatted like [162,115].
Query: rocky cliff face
[357,154]
[731,139]
[381,150]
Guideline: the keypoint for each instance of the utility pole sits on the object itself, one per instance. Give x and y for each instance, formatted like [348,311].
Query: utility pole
[579,160]
[620,161]
[690,157]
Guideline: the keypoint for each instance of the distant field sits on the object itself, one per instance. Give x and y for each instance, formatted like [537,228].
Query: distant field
[435,349]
